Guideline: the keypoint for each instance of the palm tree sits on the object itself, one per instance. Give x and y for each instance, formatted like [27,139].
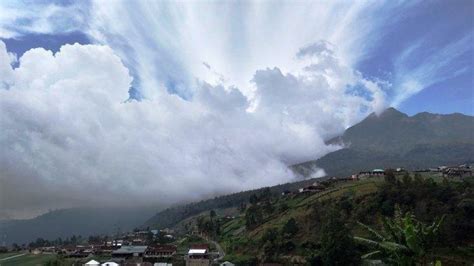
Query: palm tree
[404,241]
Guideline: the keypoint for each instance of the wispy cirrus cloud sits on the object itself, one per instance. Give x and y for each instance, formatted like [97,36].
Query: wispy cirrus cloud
[18,18]
[419,67]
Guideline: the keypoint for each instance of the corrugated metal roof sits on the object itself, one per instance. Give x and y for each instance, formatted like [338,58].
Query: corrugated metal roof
[130,249]
[197,251]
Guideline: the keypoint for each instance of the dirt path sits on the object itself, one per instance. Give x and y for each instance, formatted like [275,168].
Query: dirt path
[219,249]
[14,256]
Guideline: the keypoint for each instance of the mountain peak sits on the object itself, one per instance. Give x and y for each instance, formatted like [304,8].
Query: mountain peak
[392,112]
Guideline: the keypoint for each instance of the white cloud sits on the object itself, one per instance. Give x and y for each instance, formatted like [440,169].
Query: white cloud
[18,18]
[69,137]
[267,96]
[241,39]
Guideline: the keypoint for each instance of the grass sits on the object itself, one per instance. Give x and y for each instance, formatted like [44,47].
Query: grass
[42,259]
[29,260]
[298,206]
[8,254]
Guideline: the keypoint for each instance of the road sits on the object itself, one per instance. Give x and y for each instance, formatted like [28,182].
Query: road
[14,256]
[219,249]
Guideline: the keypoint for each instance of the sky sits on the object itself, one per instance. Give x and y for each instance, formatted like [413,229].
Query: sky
[164,102]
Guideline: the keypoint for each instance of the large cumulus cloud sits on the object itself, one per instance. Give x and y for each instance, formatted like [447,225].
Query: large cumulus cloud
[70,136]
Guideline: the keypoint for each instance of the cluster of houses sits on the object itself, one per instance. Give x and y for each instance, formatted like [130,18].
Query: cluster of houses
[323,185]
[460,171]
[144,255]
[159,255]
[134,248]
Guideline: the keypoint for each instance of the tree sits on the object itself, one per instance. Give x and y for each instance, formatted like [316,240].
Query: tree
[283,207]
[242,207]
[407,180]
[253,199]
[269,242]
[390,177]
[337,244]
[290,228]
[253,216]
[268,207]
[405,240]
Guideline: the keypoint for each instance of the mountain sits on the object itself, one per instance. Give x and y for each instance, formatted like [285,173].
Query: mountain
[75,221]
[393,139]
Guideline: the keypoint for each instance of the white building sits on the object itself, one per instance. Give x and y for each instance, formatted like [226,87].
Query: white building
[110,263]
[92,262]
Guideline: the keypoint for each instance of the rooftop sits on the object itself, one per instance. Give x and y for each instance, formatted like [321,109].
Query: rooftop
[163,248]
[197,251]
[130,249]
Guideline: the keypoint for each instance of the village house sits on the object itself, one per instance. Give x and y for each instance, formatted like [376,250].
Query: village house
[134,253]
[167,231]
[373,173]
[315,187]
[76,251]
[160,251]
[48,250]
[461,171]
[110,263]
[103,249]
[36,251]
[198,255]
[115,244]
[92,263]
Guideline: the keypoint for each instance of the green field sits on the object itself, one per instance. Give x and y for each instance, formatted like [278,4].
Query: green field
[28,260]
[8,254]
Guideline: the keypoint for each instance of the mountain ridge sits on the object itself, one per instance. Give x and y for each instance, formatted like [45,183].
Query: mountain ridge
[395,139]
[64,223]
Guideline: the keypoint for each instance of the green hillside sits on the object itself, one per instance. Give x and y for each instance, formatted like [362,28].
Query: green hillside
[171,216]
[394,139]
[305,228]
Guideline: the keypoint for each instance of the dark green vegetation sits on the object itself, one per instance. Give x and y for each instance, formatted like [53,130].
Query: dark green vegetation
[321,228]
[405,240]
[394,139]
[69,222]
[171,216]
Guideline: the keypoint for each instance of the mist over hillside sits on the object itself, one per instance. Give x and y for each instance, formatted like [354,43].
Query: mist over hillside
[394,139]
[75,221]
